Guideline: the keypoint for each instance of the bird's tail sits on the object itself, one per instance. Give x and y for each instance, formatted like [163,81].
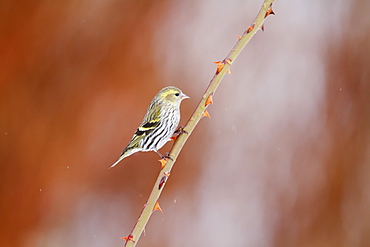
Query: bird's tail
[120,158]
[124,154]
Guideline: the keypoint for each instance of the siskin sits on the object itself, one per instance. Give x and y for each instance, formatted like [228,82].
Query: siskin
[159,124]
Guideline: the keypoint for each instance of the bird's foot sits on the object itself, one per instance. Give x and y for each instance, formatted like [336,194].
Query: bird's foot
[167,156]
[180,130]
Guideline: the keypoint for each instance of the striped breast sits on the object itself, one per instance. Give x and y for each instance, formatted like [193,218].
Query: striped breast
[162,134]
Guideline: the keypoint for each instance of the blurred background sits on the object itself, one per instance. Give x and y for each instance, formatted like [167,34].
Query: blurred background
[284,160]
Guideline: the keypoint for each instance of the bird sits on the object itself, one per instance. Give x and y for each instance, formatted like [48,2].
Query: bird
[159,124]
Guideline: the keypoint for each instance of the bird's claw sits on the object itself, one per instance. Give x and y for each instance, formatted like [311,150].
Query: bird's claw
[167,156]
[180,130]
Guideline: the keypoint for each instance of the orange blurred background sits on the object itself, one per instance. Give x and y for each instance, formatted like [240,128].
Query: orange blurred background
[284,160]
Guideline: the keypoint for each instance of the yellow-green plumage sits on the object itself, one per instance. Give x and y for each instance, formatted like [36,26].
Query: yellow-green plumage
[159,123]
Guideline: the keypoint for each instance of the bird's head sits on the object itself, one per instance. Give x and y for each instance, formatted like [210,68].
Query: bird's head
[171,95]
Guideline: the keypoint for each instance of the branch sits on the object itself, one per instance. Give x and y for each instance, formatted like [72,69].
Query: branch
[222,68]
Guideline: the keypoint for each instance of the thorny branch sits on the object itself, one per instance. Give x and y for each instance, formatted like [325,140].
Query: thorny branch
[201,111]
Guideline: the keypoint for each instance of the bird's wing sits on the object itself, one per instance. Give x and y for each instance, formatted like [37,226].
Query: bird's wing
[146,128]
[141,132]
[150,123]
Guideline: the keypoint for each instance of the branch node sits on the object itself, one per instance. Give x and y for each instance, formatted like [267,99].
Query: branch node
[129,238]
[162,182]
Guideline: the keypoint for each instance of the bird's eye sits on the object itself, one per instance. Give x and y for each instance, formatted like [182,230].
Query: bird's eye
[177,94]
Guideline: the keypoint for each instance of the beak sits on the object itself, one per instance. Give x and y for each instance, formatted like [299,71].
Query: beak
[184,96]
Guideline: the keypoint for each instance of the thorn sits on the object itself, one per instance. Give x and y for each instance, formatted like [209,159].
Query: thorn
[157,207]
[163,162]
[209,100]
[167,174]
[162,182]
[206,114]
[129,238]
[228,71]
[250,28]
[173,138]
[220,65]
[263,27]
[269,11]
[228,61]
[239,37]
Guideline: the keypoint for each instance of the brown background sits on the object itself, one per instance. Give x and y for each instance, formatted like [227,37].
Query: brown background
[284,160]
